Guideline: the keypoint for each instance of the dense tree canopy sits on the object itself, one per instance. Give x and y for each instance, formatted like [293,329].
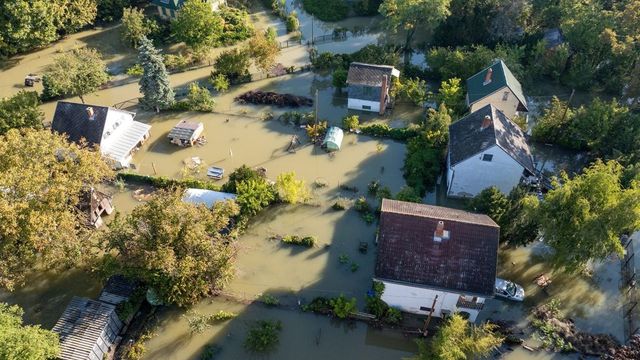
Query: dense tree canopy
[263,49]
[135,26]
[583,217]
[42,177]
[28,24]
[154,83]
[197,25]
[19,111]
[20,342]
[177,248]
[413,15]
[75,73]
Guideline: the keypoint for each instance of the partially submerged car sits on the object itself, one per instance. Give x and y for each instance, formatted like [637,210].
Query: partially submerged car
[509,290]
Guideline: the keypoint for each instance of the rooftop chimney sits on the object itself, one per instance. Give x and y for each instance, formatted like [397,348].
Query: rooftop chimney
[90,113]
[487,78]
[440,233]
[486,122]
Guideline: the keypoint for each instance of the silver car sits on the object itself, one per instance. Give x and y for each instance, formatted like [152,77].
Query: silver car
[509,290]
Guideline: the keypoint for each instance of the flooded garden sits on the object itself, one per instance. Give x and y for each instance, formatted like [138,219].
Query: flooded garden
[240,134]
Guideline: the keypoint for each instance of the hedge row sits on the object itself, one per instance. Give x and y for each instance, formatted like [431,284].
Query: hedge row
[165,182]
[384,130]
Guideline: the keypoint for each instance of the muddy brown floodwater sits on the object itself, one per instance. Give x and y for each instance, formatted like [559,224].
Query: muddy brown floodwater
[238,135]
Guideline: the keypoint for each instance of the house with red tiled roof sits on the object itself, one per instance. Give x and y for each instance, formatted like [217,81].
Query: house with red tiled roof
[436,260]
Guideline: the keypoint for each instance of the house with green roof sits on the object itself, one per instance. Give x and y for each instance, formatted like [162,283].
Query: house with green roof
[168,9]
[496,86]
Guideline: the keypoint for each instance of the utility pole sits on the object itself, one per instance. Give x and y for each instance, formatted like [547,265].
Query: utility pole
[573,91]
[426,322]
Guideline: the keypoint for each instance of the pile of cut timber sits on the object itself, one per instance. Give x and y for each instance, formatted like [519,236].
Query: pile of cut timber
[271,98]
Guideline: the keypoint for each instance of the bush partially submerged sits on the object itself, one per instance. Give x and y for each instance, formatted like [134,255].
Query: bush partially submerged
[263,336]
[308,241]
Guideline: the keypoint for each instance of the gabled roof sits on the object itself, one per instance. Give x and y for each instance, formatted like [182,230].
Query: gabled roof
[467,137]
[501,76]
[369,74]
[466,262]
[87,329]
[73,120]
[184,130]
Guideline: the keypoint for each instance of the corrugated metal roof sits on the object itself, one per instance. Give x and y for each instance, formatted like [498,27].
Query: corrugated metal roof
[127,139]
[87,329]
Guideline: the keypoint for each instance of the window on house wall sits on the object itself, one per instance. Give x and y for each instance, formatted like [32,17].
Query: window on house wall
[424,308]
[366,107]
[505,96]
[487,157]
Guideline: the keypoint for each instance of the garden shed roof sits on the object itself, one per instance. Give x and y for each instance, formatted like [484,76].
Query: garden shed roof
[369,75]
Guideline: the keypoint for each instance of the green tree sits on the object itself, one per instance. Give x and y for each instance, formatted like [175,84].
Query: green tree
[154,83]
[491,202]
[19,111]
[254,195]
[42,177]
[263,49]
[451,94]
[437,126]
[351,122]
[24,342]
[135,26]
[339,78]
[422,163]
[177,248]
[234,64]
[111,10]
[73,15]
[26,24]
[457,339]
[409,194]
[75,73]
[411,15]
[243,173]
[292,22]
[200,99]
[414,91]
[519,224]
[292,190]
[197,25]
[582,218]
[220,82]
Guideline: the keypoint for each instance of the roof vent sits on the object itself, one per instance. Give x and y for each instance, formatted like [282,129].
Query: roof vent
[486,122]
[90,113]
[440,234]
[487,78]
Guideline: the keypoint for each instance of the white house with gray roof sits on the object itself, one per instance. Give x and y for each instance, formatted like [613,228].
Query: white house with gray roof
[113,130]
[486,149]
[368,86]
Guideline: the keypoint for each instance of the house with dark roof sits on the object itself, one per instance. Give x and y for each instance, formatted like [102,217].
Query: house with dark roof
[88,330]
[113,130]
[368,86]
[436,260]
[168,9]
[496,85]
[486,149]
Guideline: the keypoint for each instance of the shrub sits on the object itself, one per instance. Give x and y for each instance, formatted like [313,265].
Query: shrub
[361,205]
[292,190]
[319,305]
[175,62]
[422,164]
[198,323]
[263,336]
[297,118]
[293,24]
[385,131]
[308,241]
[317,131]
[409,194]
[339,78]
[136,350]
[210,352]
[164,182]
[340,204]
[414,91]
[220,82]
[135,70]
[351,122]
[243,173]
[254,195]
[234,64]
[200,99]
[237,26]
[343,307]
[268,299]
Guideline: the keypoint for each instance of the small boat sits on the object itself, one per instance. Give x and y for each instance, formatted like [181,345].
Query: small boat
[215,172]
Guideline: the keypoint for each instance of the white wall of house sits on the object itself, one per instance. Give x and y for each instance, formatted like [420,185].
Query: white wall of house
[418,300]
[364,105]
[469,177]
[503,99]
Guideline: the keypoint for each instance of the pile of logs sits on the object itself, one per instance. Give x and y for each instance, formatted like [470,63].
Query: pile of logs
[271,98]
